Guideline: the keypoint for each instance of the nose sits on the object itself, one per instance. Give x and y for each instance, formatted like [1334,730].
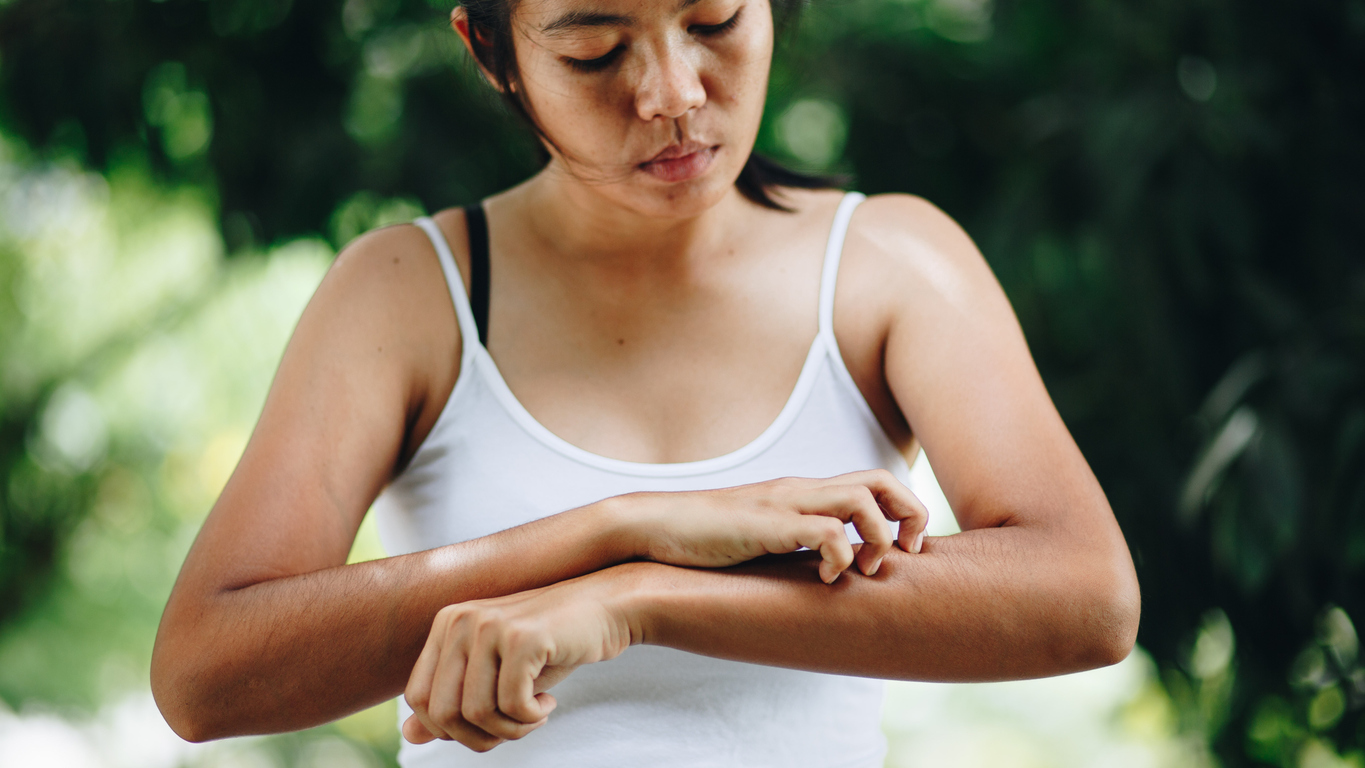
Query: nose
[670,85]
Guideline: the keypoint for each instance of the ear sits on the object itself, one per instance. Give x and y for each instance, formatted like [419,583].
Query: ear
[459,21]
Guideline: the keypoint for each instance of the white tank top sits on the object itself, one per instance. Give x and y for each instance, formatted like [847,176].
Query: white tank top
[488,465]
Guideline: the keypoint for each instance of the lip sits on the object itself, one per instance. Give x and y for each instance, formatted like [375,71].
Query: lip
[680,162]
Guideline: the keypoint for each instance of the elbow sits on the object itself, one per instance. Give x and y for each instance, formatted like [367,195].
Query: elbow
[1110,617]
[177,707]
[177,684]
[183,722]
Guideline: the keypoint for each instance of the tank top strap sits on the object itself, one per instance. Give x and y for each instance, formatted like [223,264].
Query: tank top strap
[464,314]
[833,252]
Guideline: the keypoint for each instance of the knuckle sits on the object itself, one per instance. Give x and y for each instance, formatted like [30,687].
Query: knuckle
[918,514]
[537,644]
[487,625]
[877,530]
[464,619]
[522,638]
[479,713]
[418,697]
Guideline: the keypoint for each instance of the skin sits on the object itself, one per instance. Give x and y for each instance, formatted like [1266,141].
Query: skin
[604,278]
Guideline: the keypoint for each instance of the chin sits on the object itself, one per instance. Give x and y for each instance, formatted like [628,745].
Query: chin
[681,199]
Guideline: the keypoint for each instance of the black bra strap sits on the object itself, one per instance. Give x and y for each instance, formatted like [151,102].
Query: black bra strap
[477,223]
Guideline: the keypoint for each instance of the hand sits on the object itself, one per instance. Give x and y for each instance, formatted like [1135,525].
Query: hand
[713,529]
[482,675]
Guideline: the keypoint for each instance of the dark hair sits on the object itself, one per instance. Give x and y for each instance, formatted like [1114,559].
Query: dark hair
[490,38]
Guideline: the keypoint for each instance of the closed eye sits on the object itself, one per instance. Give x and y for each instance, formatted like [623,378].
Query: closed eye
[595,65]
[711,30]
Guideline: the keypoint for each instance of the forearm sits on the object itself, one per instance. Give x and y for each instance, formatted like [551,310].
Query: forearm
[293,652]
[992,604]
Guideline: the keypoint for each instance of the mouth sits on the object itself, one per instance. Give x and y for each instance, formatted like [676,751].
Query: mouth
[680,162]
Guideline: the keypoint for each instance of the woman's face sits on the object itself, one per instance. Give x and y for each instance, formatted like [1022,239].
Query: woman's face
[654,104]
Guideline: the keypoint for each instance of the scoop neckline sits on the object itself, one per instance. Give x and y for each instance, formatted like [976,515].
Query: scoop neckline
[488,369]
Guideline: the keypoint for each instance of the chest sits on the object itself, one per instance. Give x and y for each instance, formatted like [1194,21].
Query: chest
[657,373]
[684,366]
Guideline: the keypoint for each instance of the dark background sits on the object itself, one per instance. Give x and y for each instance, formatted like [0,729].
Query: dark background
[1170,192]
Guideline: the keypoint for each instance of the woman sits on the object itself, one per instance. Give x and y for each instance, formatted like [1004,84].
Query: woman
[655,353]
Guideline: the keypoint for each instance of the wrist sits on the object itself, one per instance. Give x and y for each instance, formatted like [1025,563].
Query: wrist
[632,593]
[623,526]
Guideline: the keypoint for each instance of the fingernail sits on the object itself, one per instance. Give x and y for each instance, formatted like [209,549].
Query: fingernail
[875,567]
[919,543]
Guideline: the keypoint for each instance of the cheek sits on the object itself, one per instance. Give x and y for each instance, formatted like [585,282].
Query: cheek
[580,114]
[743,61]
[740,84]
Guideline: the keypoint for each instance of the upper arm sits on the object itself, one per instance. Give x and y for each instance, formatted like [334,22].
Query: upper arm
[376,342]
[958,367]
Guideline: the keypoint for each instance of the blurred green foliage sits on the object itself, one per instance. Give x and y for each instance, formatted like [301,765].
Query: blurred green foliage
[1170,193]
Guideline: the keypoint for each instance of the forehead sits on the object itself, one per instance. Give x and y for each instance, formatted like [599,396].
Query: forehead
[560,17]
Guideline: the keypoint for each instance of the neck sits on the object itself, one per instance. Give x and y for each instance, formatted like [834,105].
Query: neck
[572,221]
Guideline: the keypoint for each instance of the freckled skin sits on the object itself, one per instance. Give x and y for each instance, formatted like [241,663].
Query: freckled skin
[268,629]
[668,84]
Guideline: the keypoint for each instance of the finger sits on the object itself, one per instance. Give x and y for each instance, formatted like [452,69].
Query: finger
[475,739]
[418,691]
[479,703]
[448,684]
[895,499]
[442,714]
[867,518]
[516,684]
[552,675]
[415,732]
[826,534]
[911,530]
[897,503]
[853,504]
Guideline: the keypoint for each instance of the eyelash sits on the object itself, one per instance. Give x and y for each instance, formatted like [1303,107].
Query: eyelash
[602,62]
[712,30]
[595,65]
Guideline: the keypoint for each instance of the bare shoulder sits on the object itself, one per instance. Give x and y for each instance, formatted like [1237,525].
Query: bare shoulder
[920,257]
[383,312]
[388,256]
[390,281]
[910,234]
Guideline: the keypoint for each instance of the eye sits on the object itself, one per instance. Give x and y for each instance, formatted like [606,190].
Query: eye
[595,65]
[712,30]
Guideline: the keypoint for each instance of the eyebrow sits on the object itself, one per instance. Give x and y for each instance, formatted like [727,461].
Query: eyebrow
[579,19]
